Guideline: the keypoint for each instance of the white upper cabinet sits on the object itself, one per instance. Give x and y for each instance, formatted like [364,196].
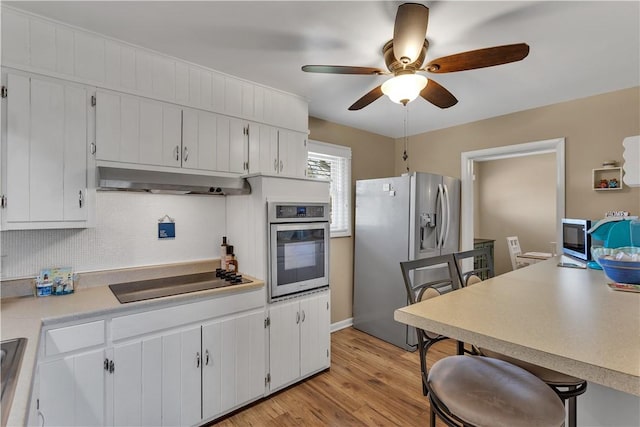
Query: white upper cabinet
[136,130]
[46,167]
[36,44]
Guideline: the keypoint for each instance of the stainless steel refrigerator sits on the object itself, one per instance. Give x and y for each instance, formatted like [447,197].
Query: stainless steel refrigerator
[409,217]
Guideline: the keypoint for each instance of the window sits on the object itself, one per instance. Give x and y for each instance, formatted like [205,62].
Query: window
[333,162]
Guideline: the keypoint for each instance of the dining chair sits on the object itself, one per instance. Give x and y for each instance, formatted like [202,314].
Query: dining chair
[514,251]
[424,279]
[567,387]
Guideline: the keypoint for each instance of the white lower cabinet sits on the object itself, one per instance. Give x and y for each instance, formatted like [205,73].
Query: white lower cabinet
[299,338]
[72,390]
[155,376]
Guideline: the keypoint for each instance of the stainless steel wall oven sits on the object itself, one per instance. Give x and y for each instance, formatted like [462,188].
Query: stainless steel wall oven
[298,247]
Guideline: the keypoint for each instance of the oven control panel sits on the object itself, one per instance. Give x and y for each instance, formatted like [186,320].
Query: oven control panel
[300,212]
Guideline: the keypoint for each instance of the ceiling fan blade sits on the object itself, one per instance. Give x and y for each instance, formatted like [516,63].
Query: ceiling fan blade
[367,99]
[480,58]
[342,69]
[409,31]
[438,95]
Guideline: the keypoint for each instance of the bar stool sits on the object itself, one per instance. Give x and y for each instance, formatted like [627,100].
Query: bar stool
[478,391]
[567,387]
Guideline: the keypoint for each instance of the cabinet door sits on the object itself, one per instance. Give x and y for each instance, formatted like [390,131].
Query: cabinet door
[268,150]
[172,136]
[315,340]
[190,143]
[127,384]
[199,140]
[284,343]
[45,179]
[254,146]
[292,152]
[223,138]
[72,390]
[238,146]
[117,127]
[190,381]
[250,357]
[211,369]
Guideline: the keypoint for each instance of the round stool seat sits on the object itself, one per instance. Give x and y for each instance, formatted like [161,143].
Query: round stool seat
[482,391]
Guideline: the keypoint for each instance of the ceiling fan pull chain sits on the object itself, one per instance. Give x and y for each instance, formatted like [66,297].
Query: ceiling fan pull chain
[405,156]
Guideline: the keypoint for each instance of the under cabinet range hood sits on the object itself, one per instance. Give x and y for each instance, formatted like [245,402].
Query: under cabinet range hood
[113,178]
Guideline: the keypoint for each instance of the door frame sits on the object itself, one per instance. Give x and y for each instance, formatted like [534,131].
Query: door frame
[509,151]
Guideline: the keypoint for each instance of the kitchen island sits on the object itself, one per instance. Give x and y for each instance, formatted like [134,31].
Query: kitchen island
[564,319]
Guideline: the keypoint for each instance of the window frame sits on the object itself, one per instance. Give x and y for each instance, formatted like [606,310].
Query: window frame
[340,153]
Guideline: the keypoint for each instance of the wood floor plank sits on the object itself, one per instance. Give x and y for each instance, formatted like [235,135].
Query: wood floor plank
[370,383]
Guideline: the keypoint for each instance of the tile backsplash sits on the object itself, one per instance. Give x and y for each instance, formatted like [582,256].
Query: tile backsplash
[126,235]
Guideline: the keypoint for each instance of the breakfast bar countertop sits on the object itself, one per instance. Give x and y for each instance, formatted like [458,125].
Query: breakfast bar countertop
[25,316]
[564,319]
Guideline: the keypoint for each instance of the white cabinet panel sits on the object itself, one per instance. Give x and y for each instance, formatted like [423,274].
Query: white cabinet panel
[255,132]
[73,338]
[284,343]
[129,139]
[89,57]
[43,45]
[152,382]
[228,361]
[17,170]
[315,334]
[258,103]
[64,50]
[72,390]
[171,374]
[108,127]
[218,92]
[232,97]
[15,38]
[164,78]
[207,141]
[144,72]
[182,83]
[238,145]
[127,379]
[171,135]
[250,357]
[112,63]
[45,184]
[194,86]
[191,377]
[212,386]
[206,89]
[127,67]
[222,141]
[151,125]
[247,100]
[47,151]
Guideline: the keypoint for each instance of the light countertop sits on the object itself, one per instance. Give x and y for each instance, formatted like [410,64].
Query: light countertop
[564,319]
[25,316]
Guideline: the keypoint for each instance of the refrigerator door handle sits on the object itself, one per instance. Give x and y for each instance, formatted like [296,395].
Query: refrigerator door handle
[440,198]
[448,204]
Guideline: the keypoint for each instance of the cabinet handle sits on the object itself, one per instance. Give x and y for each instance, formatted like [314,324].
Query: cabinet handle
[92,148]
[80,198]
[3,201]
[206,357]
[297,317]
[303,316]
[197,359]
[40,414]
[106,365]
[112,367]
[177,150]
[185,154]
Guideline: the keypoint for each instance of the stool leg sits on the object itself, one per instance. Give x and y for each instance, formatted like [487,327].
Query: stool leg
[573,412]
[432,417]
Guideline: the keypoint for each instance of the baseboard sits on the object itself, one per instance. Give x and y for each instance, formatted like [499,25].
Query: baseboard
[341,324]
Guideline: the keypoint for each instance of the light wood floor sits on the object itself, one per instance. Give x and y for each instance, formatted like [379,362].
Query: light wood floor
[370,383]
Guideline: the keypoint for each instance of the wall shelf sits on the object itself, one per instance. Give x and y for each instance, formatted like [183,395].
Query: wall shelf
[607,174]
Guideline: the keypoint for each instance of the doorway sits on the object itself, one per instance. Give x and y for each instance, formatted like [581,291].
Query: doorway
[468,159]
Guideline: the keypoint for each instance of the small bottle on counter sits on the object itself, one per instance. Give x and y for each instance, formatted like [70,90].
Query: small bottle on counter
[232,262]
[223,253]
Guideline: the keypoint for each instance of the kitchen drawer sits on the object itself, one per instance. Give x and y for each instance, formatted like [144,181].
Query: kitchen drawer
[166,318]
[71,338]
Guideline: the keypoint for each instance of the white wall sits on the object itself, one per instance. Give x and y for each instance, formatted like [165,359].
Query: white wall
[126,235]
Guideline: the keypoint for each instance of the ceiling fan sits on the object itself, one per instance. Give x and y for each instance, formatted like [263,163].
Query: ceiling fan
[404,56]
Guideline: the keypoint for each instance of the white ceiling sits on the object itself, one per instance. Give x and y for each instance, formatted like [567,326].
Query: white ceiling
[578,49]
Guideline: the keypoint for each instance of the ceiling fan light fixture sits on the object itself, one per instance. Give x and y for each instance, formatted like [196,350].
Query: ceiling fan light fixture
[404,88]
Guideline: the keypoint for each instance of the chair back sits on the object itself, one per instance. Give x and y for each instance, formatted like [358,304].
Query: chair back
[474,266]
[514,250]
[428,277]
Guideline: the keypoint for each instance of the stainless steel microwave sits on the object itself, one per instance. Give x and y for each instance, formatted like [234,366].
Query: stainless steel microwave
[576,241]
[298,247]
